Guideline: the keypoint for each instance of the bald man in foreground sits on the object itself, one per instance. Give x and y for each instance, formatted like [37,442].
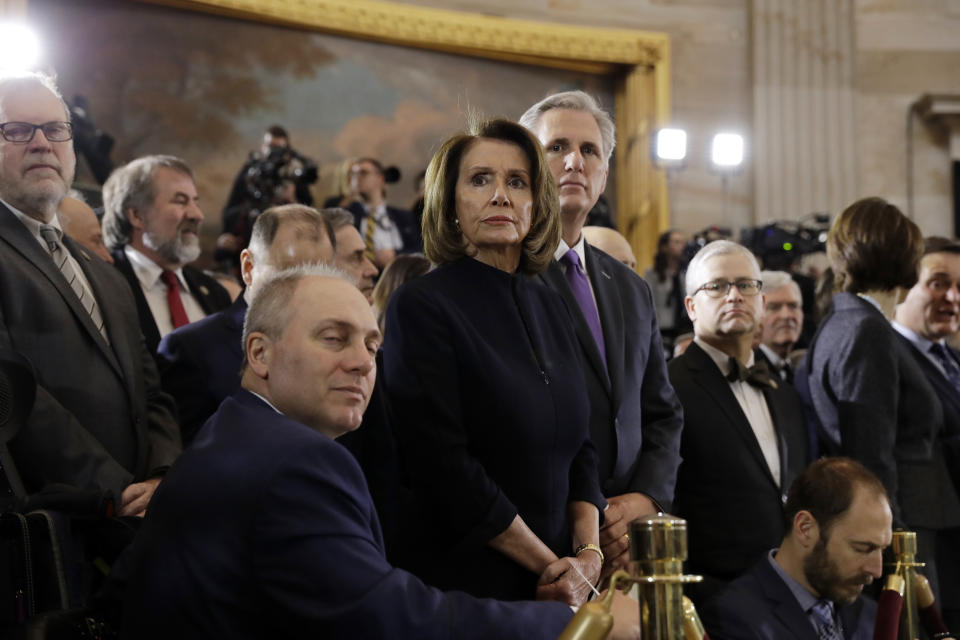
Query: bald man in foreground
[265,527]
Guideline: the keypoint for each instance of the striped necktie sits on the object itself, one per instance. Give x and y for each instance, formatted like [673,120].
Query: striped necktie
[370,251]
[58,252]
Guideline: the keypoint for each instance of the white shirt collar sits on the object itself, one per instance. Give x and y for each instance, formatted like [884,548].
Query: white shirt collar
[923,344]
[268,403]
[563,248]
[148,271]
[721,359]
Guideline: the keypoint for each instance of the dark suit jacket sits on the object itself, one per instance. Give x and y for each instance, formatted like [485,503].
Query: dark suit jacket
[207,291]
[264,529]
[866,385]
[760,606]
[733,507]
[946,451]
[635,417]
[200,364]
[100,420]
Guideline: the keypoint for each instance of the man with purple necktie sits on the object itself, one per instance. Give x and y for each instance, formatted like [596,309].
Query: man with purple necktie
[635,417]
[929,315]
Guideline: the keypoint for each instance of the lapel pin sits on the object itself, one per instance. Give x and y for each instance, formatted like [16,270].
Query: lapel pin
[606,275]
[204,290]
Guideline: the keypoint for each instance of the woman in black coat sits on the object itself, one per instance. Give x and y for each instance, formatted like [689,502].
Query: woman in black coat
[483,374]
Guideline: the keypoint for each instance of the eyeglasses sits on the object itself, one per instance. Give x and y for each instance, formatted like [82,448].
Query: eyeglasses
[23,132]
[720,288]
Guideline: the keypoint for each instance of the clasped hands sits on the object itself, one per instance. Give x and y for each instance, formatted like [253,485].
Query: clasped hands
[560,580]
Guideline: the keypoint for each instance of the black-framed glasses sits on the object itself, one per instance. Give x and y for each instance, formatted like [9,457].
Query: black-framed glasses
[23,132]
[720,288]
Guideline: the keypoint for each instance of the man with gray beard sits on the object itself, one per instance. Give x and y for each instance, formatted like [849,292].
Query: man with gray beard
[151,225]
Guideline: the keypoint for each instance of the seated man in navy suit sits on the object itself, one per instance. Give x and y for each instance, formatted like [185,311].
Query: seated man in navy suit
[265,527]
[929,315]
[200,362]
[839,523]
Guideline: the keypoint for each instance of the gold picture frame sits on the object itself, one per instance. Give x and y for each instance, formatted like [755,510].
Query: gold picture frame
[637,61]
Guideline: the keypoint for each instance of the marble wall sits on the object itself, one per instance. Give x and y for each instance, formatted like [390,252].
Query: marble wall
[900,50]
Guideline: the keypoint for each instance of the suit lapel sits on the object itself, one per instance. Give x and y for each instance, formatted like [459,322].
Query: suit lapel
[785,605]
[611,319]
[776,416]
[110,318]
[17,235]
[708,376]
[555,279]
[145,316]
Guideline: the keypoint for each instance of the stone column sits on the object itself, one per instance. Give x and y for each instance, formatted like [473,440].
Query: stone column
[803,133]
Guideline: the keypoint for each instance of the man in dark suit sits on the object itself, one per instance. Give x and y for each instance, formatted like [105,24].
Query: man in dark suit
[840,522]
[743,439]
[200,362]
[151,223]
[929,315]
[100,420]
[392,230]
[782,322]
[635,418]
[265,526]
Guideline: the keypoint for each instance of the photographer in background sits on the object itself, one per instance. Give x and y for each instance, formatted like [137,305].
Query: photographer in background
[275,175]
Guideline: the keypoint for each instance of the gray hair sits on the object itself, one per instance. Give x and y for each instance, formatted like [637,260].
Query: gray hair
[337,218]
[773,280]
[581,101]
[269,309]
[131,187]
[712,250]
[14,80]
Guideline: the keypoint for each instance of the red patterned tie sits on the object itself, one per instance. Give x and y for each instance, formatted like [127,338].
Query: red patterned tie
[177,313]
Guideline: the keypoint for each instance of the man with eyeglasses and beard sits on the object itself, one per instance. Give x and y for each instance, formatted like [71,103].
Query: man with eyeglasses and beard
[743,439]
[151,225]
[839,521]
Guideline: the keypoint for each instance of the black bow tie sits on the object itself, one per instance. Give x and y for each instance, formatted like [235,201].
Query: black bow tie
[758,375]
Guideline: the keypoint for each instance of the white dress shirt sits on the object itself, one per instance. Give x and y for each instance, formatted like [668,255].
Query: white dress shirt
[155,291]
[922,344]
[385,233]
[754,407]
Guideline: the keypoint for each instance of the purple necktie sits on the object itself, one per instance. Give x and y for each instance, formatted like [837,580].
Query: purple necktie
[580,286]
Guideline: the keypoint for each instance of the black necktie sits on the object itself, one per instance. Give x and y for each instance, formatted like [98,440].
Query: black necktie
[758,375]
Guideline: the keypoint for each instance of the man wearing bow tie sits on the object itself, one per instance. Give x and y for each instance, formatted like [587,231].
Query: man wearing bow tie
[743,439]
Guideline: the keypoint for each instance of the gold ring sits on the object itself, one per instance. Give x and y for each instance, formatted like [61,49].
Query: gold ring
[627,536]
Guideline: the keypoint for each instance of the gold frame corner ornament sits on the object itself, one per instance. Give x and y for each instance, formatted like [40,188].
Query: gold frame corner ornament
[637,61]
